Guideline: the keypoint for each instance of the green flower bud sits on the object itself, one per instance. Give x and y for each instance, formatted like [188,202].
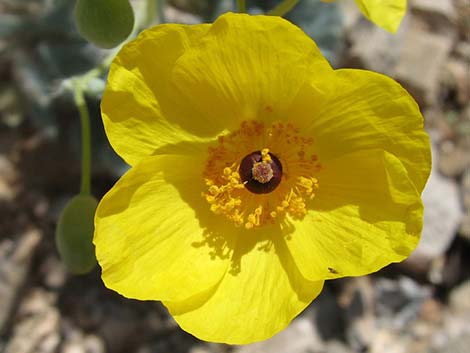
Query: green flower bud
[105,23]
[74,234]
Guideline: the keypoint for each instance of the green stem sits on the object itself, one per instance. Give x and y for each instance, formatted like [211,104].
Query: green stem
[154,10]
[151,13]
[160,13]
[241,6]
[283,8]
[79,97]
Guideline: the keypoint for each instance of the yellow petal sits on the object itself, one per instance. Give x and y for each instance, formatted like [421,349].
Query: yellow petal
[151,232]
[142,109]
[361,110]
[366,214]
[248,67]
[260,294]
[384,13]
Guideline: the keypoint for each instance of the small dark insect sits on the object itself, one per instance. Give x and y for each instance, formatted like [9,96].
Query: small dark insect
[332,270]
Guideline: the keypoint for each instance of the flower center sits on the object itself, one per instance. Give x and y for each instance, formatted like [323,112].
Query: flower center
[254,189]
[260,171]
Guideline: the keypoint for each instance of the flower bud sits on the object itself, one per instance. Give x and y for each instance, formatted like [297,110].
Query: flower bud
[74,234]
[105,23]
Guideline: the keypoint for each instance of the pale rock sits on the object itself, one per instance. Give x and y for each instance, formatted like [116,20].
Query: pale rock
[74,347]
[466,189]
[174,15]
[38,331]
[299,337]
[399,302]
[351,14]
[8,177]
[199,349]
[442,214]
[86,344]
[462,49]
[405,56]
[465,224]
[387,342]
[454,159]
[54,272]
[439,13]
[464,230]
[456,76]
[358,298]
[373,48]
[455,319]
[422,56]
[337,347]
[459,299]
[460,344]
[15,259]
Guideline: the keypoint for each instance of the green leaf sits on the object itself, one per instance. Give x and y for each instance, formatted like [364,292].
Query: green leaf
[105,23]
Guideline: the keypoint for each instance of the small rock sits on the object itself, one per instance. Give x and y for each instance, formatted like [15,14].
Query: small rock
[8,177]
[460,298]
[199,349]
[399,302]
[404,56]
[84,344]
[462,49]
[351,15]
[373,48]
[299,337]
[337,347]
[463,13]
[442,215]
[358,298]
[431,311]
[387,342]
[37,330]
[439,14]
[174,15]
[466,189]
[328,315]
[459,344]
[54,272]
[15,258]
[456,77]
[416,69]
[464,230]
[453,160]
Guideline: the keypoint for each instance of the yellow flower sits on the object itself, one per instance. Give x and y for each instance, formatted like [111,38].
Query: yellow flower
[257,172]
[384,13]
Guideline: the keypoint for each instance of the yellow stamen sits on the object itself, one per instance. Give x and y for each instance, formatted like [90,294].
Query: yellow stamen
[227,194]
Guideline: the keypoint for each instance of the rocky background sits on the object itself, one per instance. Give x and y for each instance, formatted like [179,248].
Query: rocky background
[419,306]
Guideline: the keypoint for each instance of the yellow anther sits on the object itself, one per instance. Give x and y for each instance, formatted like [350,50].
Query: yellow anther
[265,155]
[214,190]
[307,183]
[226,193]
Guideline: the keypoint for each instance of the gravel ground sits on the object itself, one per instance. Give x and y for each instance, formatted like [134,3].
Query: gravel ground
[419,306]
